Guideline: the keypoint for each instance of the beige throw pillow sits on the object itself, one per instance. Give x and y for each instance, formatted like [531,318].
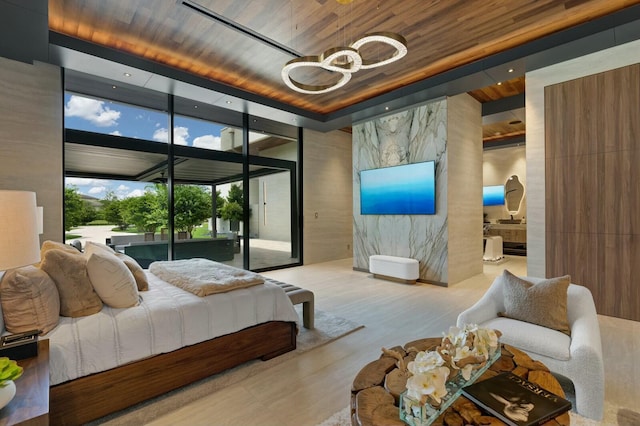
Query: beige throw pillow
[30,300]
[93,247]
[112,280]
[138,273]
[50,245]
[544,303]
[69,272]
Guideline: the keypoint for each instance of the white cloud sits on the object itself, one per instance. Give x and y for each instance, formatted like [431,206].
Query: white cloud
[135,193]
[207,142]
[180,135]
[97,190]
[116,133]
[91,110]
[161,135]
[122,188]
[81,181]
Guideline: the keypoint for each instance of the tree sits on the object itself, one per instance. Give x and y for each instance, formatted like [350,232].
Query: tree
[144,212]
[234,207]
[220,202]
[192,206]
[112,210]
[73,208]
[231,211]
[235,194]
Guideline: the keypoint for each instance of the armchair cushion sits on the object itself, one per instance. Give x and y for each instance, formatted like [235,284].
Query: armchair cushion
[543,303]
[532,338]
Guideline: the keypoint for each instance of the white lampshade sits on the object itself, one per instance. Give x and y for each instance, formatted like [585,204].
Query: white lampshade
[40,220]
[19,241]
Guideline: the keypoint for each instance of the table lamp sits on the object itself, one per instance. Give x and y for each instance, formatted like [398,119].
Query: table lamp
[19,241]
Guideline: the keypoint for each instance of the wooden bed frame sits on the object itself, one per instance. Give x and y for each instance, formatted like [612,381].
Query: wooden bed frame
[91,397]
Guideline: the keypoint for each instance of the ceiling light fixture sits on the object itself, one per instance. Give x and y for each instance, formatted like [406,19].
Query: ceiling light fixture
[344,61]
[127,74]
[510,69]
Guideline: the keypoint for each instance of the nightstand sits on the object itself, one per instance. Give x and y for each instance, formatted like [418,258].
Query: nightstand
[30,406]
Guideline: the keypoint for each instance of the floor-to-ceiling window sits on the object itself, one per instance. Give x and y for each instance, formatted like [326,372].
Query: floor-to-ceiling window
[175,178]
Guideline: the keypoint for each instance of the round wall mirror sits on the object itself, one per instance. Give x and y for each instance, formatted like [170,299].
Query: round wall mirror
[513,194]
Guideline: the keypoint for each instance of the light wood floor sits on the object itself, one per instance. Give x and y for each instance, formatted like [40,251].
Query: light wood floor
[311,387]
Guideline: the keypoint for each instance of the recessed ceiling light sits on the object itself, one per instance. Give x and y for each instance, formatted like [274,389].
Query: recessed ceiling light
[114,87]
[195,106]
[510,69]
[499,83]
[386,108]
[127,74]
[229,102]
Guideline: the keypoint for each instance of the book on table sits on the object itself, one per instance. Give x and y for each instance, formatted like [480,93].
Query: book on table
[516,401]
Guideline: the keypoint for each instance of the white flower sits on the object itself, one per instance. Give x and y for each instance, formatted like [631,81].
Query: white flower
[487,340]
[424,362]
[430,383]
[466,371]
[457,336]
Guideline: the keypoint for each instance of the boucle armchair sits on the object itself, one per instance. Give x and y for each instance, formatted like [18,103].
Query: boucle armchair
[577,357]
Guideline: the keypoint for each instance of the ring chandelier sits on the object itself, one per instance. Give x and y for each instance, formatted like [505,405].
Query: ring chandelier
[354,62]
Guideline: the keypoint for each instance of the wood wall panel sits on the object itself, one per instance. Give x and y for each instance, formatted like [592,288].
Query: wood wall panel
[328,199]
[592,146]
[572,180]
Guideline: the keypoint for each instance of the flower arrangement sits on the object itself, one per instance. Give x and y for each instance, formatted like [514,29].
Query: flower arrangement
[462,351]
[434,376]
[9,370]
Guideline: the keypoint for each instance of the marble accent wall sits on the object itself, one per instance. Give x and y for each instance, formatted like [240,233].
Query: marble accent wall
[412,136]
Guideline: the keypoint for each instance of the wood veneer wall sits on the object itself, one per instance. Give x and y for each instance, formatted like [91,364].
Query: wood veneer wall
[592,145]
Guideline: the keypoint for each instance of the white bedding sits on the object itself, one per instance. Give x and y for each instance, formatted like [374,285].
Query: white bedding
[167,319]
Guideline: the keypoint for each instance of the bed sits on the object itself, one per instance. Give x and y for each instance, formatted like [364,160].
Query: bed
[118,357]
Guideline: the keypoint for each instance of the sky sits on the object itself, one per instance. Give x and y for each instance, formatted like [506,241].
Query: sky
[94,115]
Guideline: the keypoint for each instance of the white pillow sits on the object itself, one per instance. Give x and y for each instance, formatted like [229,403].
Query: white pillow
[112,280]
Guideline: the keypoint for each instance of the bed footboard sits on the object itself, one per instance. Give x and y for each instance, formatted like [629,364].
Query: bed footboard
[88,398]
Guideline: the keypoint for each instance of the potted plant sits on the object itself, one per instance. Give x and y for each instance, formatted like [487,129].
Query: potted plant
[9,371]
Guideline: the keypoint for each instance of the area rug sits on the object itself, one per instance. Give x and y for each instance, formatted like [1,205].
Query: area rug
[328,327]
[613,415]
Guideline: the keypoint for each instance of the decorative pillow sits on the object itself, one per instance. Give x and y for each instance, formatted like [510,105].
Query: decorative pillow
[91,247]
[544,303]
[30,300]
[136,270]
[112,280]
[50,245]
[69,272]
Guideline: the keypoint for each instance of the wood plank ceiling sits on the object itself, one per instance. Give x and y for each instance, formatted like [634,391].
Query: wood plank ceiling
[441,35]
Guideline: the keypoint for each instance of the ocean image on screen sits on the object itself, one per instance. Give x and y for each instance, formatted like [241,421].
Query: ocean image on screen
[493,195]
[406,189]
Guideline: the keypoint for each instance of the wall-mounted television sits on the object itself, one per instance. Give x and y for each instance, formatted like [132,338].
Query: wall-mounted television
[493,195]
[405,189]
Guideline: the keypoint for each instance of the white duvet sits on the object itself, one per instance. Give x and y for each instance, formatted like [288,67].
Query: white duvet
[167,319]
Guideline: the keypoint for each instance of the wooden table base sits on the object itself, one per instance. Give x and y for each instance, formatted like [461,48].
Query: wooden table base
[374,404]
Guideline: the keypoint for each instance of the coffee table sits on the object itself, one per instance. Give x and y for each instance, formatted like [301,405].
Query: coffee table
[372,404]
